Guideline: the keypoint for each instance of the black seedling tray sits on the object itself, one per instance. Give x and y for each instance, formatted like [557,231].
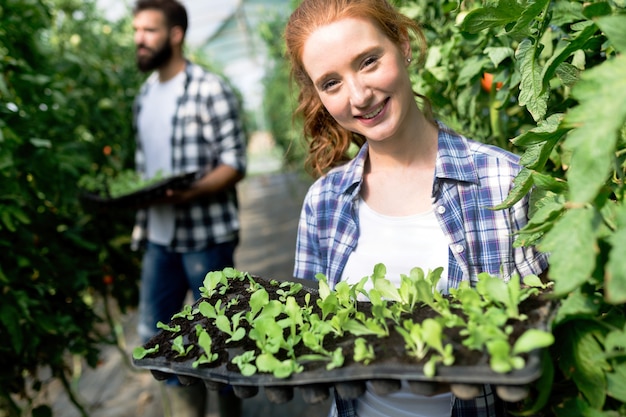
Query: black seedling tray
[145,195]
[349,380]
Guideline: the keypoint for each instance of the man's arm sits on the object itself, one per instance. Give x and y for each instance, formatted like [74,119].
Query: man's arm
[214,181]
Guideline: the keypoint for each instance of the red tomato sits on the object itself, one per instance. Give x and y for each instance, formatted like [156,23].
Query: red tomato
[107,279]
[107,150]
[487,81]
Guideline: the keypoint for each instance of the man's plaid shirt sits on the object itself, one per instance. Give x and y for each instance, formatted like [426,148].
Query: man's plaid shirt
[207,132]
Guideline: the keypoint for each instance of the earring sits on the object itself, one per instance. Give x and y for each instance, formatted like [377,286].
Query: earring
[408,60]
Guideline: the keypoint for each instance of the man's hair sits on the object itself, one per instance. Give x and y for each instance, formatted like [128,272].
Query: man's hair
[174,12]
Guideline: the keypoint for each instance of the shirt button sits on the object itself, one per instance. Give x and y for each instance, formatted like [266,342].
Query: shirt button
[458,248]
[441,209]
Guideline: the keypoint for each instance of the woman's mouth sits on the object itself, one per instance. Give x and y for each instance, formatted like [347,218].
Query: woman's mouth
[374,112]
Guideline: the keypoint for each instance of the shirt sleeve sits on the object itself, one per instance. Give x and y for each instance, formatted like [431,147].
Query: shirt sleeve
[308,260]
[225,125]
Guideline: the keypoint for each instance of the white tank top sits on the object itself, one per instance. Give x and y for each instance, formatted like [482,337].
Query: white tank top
[155,133]
[400,243]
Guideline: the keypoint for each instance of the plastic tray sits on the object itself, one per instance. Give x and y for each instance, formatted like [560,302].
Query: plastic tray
[144,195]
[350,380]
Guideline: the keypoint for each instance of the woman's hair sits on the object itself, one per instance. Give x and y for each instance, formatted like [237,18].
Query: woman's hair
[175,13]
[329,143]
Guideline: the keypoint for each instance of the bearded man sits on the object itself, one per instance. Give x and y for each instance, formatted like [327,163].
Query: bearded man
[186,120]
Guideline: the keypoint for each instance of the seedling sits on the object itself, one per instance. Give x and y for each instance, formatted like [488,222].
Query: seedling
[186,313]
[206,344]
[267,334]
[178,346]
[363,352]
[245,363]
[507,294]
[140,352]
[362,326]
[167,328]
[211,311]
[288,289]
[267,362]
[213,282]
[231,327]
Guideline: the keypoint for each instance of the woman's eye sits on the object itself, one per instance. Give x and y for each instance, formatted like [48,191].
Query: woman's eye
[328,84]
[370,61]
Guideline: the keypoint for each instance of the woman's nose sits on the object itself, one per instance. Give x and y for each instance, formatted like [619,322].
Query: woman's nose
[360,93]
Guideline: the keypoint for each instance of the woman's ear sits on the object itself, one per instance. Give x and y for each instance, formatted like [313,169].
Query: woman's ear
[405,46]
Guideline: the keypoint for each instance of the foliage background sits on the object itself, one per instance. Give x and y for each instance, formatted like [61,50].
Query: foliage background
[67,78]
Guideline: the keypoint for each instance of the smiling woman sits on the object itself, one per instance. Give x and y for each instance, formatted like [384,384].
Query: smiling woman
[417,194]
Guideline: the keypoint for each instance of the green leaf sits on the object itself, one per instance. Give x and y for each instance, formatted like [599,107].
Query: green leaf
[572,247]
[580,359]
[614,27]
[140,352]
[546,130]
[521,186]
[615,274]
[568,74]
[616,387]
[471,68]
[578,304]
[532,339]
[524,23]
[532,94]
[497,54]
[597,120]
[506,12]
[560,56]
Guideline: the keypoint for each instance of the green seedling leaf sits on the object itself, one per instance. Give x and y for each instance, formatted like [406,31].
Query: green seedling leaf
[173,329]
[185,313]
[212,281]
[205,343]
[363,352]
[231,327]
[323,287]
[140,352]
[267,362]
[500,358]
[245,363]
[287,289]
[211,311]
[383,285]
[178,346]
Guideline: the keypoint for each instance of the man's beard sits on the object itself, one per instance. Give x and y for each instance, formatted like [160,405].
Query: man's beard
[160,57]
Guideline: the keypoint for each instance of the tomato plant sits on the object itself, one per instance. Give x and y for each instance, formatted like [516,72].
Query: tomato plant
[66,88]
[561,106]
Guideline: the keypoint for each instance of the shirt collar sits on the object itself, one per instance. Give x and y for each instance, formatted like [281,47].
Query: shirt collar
[454,157]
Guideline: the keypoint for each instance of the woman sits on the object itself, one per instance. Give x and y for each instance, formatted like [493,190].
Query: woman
[415,194]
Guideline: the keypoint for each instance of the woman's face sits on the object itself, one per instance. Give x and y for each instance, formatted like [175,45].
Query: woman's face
[361,78]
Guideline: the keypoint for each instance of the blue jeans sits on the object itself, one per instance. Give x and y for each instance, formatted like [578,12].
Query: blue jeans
[167,276]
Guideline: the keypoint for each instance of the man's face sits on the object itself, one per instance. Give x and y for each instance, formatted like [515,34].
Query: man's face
[152,40]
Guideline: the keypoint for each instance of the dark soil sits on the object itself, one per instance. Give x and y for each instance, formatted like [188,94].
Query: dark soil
[388,350]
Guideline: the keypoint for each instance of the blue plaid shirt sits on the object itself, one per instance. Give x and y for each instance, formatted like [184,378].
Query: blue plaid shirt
[470,177]
[207,132]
